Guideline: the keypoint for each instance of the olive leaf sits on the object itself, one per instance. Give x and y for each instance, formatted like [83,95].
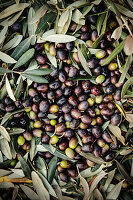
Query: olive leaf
[42,166]
[128,47]
[57,189]
[117,133]
[19,88]
[24,58]
[67,24]
[52,168]
[34,78]
[29,192]
[124,11]
[25,167]
[5,148]
[6,58]
[32,149]
[114,193]
[63,18]
[129,118]
[117,33]
[92,158]
[4,70]
[77,4]
[4,133]
[112,7]
[100,22]
[105,125]
[9,90]
[13,42]
[78,17]
[31,27]
[52,59]
[125,87]
[88,172]
[3,34]
[125,152]
[130,2]
[60,38]
[13,9]
[109,180]
[39,187]
[104,24]
[85,187]
[38,14]
[98,195]
[15,131]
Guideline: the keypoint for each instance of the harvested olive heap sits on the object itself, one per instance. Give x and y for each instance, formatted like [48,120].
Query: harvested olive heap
[67,101]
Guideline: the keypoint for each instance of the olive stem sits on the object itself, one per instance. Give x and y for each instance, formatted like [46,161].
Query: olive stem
[125,23]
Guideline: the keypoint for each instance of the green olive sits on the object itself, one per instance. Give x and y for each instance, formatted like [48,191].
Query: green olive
[99,99]
[65,164]
[54,139]
[67,124]
[100,79]
[53,122]
[46,46]
[32,115]
[70,153]
[37,124]
[112,66]
[73,143]
[97,111]
[100,54]
[13,163]
[91,101]
[93,123]
[21,140]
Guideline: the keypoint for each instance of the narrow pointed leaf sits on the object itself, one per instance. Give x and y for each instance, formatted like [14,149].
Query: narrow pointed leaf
[29,192]
[114,193]
[5,148]
[9,90]
[25,167]
[117,133]
[4,133]
[6,58]
[127,84]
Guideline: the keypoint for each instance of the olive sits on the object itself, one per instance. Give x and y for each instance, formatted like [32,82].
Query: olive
[100,54]
[53,122]
[32,92]
[73,100]
[111,105]
[36,99]
[70,153]
[45,138]
[72,72]
[109,157]
[93,123]
[84,28]
[50,95]
[54,139]
[92,19]
[75,113]
[52,50]
[16,27]
[60,128]
[44,106]
[99,99]
[84,36]
[38,124]
[108,36]
[46,120]
[18,103]
[94,35]
[61,101]
[13,123]
[58,93]
[61,45]
[41,59]
[20,140]
[62,77]
[60,169]
[39,46]
[22,122]
[32,115]
[115,119]
[13,163]
[35,108]
[117,95]
[48,155]
[96,131]
[103,44]
[77,90]
[131,140]
[76,58]
[26,146]
[85,85]
[54,73]
[2,107]
[68,133]
[87,148]
[106,137]
[86,119]
[8,101]
[72,172]
[81,132]
[97,111]
[74,124]
[107,98]
[110,89]
[100,79]
[96,151]
[10,108]
[53,108]
[61,54]
[92,63]
[64,177]
[97,71]
[96,90]
[81,165]
[89,43]
[100,142]
[66,108]
[99,121]
[112,66]
[73,143]
[62,145]
[83,126]
[42,88]
[54,85]
[72,26]
[83,105]
[37,132]
[105,149]
[27,135]
[69,83]
[106,82]
[106,112]
[18,115]
[49,128]
[82,97]
[91,112]
[69,46]
[60,118]
[109,50]
[87,139]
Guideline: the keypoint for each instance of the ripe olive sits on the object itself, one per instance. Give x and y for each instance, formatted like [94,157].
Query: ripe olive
[32,92]
[66,108]
[106,112]
[81,165]
[96,90]
[87,148]
[41,59]
[105,149]
[87,139]
[107,98]
[75,113]
[100,142]
[53,108]
[54,85]
[38,124]
[62,145]
[96,131]
[61,54]
[27,135]
[109,157]
[45,138]
[94,35]
[73,100]
[49,128]
[35,108]
[74,124]
[85,36]
[106,137]
[72,72]
[37,132]
[86,119]
[60,128]
[84,28]
[68,133]
[10,108]
[69,46]
[76,58]
[72,172]
[82,97]
[115,119]
[96,151]
[62,77]
[64,177]
[44,106]
[83,105]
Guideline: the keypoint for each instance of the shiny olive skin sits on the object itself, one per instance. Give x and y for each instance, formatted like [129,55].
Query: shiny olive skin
[70,153]
[10,108]
[62,100]
[42,88]
[74,124]
[54,85]
[72,172]
[8,101]
[61,54]
[66,108]
[75,113]
[64,177]
[117,95]
[69,46]
[92,19]
[73,143]
[60,169]
[68,133]
[96,131]
[106,112]
[44,106]
[76,58]
[85,85]
[35,108]
[107,98]
[81,165]
[84,36]
[106,137]
[87,139]
[91,112]
[96,151]
[84,28]
[72,72]
[96,90]
[82,97]
[18,115]
[27,135]
[62,145]
[69,83]
[83,106]
[49,128]
[109,157]
[45,139]
[37,132]
[87,148]
[115,119]
[73,100]
[41,59]
[86,119]
[60,128]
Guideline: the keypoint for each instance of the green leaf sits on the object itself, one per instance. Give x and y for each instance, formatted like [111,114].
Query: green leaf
[83,61]
[114,193]
[105,125]
[47,185]
[52,168]
[124,11]
[21,48]
[19,88]
[60,38]
[117,133]
[34,78]
[115,52]
[130,2]
[125,87]
[104,24]
[29,192]
[31,27]
[4,133]
[88,172]
[13,9]
[4,70]
[25,167]
[5,148]
[3,34]
[99,23]
[9,90]
[32,148]
[43,24]
[6,58]
[52,59]
[124,173]
[25,58]
[85,187]
[98,195]
[88,9]
[126,68]
[96,43]
[128,48]
[39,187]
[15,131]
[13,42]
[112,7]
[109,180]
[38,14]
[52,116]
[92,158]
[78,4]
[38,72]
[42,166]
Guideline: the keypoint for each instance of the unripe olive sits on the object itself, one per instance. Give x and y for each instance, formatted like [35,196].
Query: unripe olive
[60,128]
[100,54]
[37,132]
[76,58]
[99,99]
[38,124]
[89,43]
[97,111]
[33,115]
[46,46]
[75,113]
[65,164]
[64,177]
[83,126]
[87,139]
[13,163]
[91,101]
[52,50]
[54,108]
[53,122]
[70,153]
[21,140]
[112,66]
[93,123]
[101,142]
[100,79]
[73,143]
[78,149]
[60,169]
[67,124]
[27,135]
[54,139]
[105,149]
[32,92]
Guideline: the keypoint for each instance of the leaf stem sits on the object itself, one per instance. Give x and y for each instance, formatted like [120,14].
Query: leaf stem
[125,23]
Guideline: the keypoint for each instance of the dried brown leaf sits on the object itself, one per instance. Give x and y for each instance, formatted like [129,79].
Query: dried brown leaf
[128,47]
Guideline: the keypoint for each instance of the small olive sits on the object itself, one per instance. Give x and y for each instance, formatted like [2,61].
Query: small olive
[112,66]
[53,122]
[21,140]
[37,132]
[75,113]
[76,58]
[52,50]
[65,164]
[54,139]
[38,124]
[100,79]
[27,135]
[86,119]
[100,54]
[73,143]
[64,177]
[46,46]
[87,139]
[91,101]
[60,128]
[70,153]
[32,115]
[101,142]
[54,108]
